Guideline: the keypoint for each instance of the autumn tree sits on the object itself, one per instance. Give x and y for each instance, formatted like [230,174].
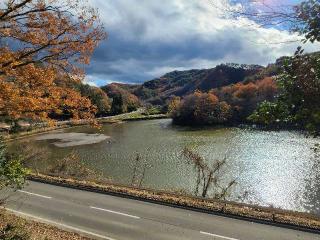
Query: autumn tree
[97,97]
[245,97]
[123,101]
[174,104]
[200,109]
[229,104]
[42,42]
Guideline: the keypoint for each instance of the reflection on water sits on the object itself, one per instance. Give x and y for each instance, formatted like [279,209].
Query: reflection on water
[275,168]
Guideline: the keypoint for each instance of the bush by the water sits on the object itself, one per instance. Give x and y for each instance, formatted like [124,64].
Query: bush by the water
[199,108]
[12,171]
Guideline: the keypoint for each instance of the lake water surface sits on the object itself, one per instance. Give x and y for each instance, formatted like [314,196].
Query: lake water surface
[274,168]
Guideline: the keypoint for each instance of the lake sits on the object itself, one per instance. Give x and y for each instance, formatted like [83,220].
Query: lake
[273,168]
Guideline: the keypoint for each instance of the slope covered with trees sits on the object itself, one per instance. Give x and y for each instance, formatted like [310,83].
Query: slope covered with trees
[123,100]
[182,83]
[242,87]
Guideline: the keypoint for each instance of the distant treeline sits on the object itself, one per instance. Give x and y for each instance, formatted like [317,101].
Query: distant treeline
[230,104]
[289,100]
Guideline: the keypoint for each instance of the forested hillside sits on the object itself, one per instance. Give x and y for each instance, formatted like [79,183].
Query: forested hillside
[181,83]
[161,91]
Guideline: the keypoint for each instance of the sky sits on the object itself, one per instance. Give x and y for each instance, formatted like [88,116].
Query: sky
[148,38]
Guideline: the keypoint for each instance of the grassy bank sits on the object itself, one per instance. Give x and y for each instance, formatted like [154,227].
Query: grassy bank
[250,212]
[21,228]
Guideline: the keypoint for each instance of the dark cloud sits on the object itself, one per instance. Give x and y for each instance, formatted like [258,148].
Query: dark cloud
[120,59]
[148,38]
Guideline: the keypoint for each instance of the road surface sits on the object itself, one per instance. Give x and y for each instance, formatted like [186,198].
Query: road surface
[102,216]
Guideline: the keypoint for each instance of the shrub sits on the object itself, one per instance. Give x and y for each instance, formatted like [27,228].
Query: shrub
[271,114]
[12,172]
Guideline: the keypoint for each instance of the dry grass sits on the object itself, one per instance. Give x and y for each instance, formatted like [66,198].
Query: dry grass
[34,230]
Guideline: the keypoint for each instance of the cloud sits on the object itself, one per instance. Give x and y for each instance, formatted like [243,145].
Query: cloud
[91,80]
[148,38]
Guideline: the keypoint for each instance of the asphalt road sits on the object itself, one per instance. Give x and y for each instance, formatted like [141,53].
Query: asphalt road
[113,218]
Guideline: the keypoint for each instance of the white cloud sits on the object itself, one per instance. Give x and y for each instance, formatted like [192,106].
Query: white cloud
[150,37]
[90,80]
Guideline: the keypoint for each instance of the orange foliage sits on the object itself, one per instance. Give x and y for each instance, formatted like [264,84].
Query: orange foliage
[123,100]
[244,97]
[199,109]
[247,91]
[44,41]
[267,87]
[174,104]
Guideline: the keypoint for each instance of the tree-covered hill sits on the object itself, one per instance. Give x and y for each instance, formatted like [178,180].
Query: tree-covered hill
[161,90]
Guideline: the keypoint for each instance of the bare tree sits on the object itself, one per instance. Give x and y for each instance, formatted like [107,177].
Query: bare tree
[143,174]
[139,171]
[71,166]
[135,169]
[208,176]
[302,18]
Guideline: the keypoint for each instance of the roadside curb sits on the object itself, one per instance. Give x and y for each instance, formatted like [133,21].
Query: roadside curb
[271,216]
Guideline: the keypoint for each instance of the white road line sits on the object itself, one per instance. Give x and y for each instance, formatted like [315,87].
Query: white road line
[219,236]
[34,194]
[59,224]
[110,211]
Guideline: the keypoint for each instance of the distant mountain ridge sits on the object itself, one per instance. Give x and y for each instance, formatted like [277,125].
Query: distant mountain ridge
[180,83]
